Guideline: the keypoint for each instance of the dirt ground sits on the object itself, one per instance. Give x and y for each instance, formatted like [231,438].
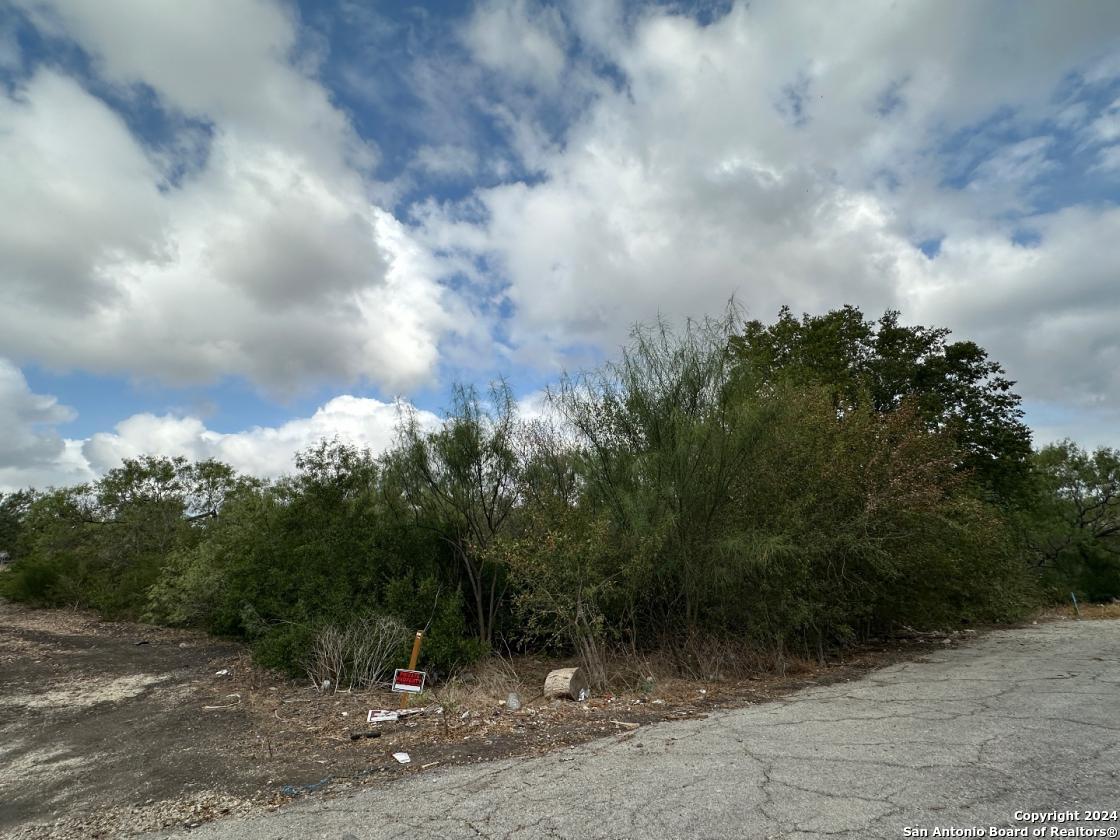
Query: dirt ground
[110,729]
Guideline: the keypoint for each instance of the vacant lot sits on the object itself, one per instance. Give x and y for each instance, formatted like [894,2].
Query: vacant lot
[971,737]
[108,729]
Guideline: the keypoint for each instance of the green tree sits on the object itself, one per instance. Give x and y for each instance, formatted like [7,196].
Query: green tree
[461,483]
[1073,526]
[13,513]
[955,385]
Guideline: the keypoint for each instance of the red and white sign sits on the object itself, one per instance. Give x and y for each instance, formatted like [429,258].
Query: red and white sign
[411,682]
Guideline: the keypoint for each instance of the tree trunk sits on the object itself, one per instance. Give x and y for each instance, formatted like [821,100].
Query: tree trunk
[565,682]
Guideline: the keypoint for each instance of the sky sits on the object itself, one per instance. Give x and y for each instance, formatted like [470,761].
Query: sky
[232,227]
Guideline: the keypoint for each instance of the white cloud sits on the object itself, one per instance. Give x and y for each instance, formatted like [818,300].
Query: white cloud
[31,450]
[267,259]
[260,451]
[447,160]
[1108,160]
[1106,127]
[520,39]
[791,153]
[33,454]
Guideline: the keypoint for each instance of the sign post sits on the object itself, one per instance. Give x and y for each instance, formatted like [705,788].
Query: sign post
[411,667]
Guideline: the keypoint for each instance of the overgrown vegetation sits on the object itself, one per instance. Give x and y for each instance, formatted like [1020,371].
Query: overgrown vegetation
[792,487]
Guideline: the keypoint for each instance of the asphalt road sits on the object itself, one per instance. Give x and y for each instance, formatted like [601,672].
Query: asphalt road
[1021,720]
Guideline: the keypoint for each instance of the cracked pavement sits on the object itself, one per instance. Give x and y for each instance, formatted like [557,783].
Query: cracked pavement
[1024,719]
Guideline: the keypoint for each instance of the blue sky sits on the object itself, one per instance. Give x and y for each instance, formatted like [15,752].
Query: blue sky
[232,227]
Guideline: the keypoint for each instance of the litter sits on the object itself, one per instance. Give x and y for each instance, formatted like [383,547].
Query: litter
[402,757]
[428,765]
[357,736]
[382,716]
[625,724]
[222,673]
[226,706]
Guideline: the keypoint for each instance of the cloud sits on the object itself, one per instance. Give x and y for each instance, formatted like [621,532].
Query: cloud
[798,153]
[34,454]
[260,254]
[31,450]
[260,451]
[522,40]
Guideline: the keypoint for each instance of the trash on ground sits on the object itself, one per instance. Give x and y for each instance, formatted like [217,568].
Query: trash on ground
[428,765]
[226,706]
[626,724]
[402,757]
[222,673]
[357,736]
[382,716]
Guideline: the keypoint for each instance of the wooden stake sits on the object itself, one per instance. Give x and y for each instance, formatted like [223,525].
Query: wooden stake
[412,660]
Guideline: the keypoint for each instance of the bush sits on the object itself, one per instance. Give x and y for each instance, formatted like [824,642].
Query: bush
[362,653]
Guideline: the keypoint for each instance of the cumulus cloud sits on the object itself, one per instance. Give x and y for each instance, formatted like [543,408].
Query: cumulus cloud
[260,451]
[650,164]
[522,40]
[31,450]
[34,454]
[799,153]
[261,256]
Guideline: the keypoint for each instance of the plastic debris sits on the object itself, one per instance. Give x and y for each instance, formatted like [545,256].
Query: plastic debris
[584,694]
[222,673]
[298,790]
[382,716]
[402,757]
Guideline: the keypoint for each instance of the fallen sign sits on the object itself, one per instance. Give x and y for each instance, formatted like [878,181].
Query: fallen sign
[408,682]
[387,716]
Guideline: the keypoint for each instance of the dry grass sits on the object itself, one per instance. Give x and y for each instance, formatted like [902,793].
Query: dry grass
[1091,612]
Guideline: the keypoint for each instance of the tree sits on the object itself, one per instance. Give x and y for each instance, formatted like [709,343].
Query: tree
[955,385]
[1073,526]
[461,482]
[13,513]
